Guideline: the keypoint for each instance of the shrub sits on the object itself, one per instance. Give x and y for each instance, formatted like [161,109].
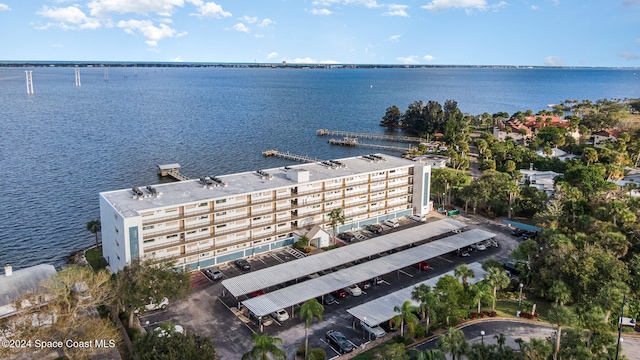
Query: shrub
[420,332]
[317,354]
[300,351]
[399,339]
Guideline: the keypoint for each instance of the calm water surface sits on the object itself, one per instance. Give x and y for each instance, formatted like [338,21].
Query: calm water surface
[65,144]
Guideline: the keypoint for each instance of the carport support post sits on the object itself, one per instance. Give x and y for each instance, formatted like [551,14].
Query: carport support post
[260,322]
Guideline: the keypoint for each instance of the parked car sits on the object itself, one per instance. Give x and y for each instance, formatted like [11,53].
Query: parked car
[162,331]
[267,320]
[339,342]
[375,331]
[153,305]
[418,218]
[374,228]
[328,299]
[492,243]
[213,274]
[242,264]
[479,247]
[365,285]
[346,236]
[392,223]
[466,252]
[281,315]
[340,293]
[256,293]
[354,290]
[422,266]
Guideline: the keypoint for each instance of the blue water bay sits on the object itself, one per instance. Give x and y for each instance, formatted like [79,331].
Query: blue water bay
[65,144]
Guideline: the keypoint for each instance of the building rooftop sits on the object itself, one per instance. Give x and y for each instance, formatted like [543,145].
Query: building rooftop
[192,191]
[23,281]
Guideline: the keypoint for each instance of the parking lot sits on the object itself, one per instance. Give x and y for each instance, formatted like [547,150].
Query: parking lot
[209,313]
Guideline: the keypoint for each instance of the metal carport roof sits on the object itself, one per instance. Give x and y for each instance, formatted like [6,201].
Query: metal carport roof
[282,273]
[380,310]
[301,292]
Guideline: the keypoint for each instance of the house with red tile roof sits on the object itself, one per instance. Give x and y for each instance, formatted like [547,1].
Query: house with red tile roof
[517,130]
[601,137]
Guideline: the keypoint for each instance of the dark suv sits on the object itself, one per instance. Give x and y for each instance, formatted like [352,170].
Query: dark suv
[242,264]
[339,342]
[375,228]
[346,236]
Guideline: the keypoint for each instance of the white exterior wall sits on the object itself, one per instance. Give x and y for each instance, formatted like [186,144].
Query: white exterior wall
[421,189]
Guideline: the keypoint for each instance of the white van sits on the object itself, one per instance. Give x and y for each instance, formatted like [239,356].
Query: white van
[375,331]
[392,223]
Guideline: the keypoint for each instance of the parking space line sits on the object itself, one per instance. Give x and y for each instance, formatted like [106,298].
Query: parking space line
[447,260]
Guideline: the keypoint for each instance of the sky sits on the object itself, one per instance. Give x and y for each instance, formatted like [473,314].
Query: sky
[594,33]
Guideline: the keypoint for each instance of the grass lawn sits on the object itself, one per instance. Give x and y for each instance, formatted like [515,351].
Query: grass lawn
[508,308]
[94,257]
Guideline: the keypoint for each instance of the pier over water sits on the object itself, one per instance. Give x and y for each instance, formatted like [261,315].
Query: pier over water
[350,134]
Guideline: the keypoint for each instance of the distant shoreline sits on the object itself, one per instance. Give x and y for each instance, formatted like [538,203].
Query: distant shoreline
[278,65]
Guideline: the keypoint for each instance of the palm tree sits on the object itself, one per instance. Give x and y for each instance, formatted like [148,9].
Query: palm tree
[406,315]
[453,342]
[432,354]
[308,311]
[265,345]
[560,316]
[481,291]
[428,301]
[498,279]
[336,216]
[560,292]
[463,272]
[94,227]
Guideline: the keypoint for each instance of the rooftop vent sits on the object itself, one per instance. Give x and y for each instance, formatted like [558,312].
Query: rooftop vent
[264,175]
[152,190]
[8,270]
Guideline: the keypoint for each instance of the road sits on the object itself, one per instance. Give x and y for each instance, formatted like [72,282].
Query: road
[513,329]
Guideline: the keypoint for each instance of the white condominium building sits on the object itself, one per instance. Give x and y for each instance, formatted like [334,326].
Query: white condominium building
[217,219]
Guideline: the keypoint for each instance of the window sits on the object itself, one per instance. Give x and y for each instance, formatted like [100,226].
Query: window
[203,204]
[221,213]
[204,217]
[283,224]
[266,228]
[221,226]
[257,218]
[148,241]
[191,232]
[221,201]
[172,236]
[315,206]
[205,229]
[329,203]
[170,210]
[148,227]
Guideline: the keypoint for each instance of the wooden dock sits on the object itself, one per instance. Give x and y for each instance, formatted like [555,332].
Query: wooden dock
[355,142]
[290,156]
[350,134]
[171,170]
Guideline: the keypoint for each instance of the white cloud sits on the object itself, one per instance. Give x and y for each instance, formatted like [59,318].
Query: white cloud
[321,12]
[553,61]
[152,33]
[241,27]
[498,6]
[210,9]
[176,59]
[413,59]
[629,56]
[4,7]
[441,5]
[102,8]
[266,22]
[428,57]
[308,60]
[249,20]
[71,18]
[396,10]
[394,38]
[534,7]
[366,3]
[258,36]
[272,55]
